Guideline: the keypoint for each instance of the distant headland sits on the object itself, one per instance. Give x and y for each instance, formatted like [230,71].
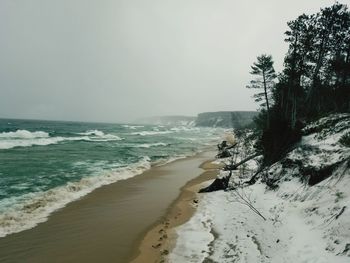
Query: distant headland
[222,119]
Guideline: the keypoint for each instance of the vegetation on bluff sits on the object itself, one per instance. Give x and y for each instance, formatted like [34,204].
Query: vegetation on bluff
[315,80]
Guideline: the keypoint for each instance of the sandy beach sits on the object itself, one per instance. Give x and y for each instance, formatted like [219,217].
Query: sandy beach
[161,238]
[108,224]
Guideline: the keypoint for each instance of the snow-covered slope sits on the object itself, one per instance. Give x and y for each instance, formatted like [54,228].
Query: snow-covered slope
[307,214]
[320,153]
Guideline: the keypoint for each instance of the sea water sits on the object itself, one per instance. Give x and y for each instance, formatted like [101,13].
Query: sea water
[44,165]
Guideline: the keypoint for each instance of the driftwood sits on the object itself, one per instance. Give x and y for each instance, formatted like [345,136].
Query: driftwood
[222,183]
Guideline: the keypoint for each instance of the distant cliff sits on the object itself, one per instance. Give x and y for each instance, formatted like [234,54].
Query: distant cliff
[225,119]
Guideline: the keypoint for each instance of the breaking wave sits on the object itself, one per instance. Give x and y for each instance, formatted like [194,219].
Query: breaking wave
[92,132]
[8,144]
[24,134]
[24,138]
[96,135]
[132,127]
[149,145]
[185,128]
[31,209]
[145,133]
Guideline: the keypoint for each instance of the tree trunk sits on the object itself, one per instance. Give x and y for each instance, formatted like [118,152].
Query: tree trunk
[222,183]
[235,166]
[267,102]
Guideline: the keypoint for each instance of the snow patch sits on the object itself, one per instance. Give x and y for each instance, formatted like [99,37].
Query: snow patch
[304,223]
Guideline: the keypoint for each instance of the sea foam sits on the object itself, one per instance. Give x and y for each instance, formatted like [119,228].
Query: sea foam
[145,133]
[24,134]
[132,127]
[96,135]
[29,210]
[149,145]
[8,144]
[24,138]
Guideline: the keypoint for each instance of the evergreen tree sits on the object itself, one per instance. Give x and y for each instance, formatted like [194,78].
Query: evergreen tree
[314,82]
[265,75]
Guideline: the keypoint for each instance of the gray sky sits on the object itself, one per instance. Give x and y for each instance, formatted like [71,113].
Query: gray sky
[104,60]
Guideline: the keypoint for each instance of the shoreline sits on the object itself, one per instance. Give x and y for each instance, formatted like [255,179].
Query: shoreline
[160,238]
[106,224]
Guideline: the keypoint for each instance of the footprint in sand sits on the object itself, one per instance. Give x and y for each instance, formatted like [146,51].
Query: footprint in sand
[157,246]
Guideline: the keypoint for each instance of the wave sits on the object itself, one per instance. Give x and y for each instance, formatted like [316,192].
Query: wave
[185,128]
[187,139]
[146,133]
[24,134]
[96,135]
[31,209]
[24,138]
[92,132]
[149,145]
[157,131]
[132,127]
[8,144]
[167,160]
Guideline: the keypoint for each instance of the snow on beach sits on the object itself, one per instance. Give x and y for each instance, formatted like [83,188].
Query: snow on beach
[304,223]
[224,230]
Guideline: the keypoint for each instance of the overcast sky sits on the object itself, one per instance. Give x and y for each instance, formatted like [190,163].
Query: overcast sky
[117,60]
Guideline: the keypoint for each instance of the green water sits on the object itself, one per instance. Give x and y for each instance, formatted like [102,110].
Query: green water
[44,165]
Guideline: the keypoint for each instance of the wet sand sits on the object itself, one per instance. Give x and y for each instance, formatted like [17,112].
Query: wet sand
[161,238]
[106,225]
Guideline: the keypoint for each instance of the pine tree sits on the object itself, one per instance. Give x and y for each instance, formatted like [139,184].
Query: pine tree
[265,75]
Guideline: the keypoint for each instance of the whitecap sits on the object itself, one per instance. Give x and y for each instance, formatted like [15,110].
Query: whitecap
[29,210]
[92,132]
[24,134]
[185,128]
[149,145]
[12,143]
[96,135]
[24,138]
[145,133]
[8,144]
[132,127]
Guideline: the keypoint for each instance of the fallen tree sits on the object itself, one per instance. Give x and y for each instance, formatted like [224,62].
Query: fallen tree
[222,183]
[231,167]
[224,150]
[254,178]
